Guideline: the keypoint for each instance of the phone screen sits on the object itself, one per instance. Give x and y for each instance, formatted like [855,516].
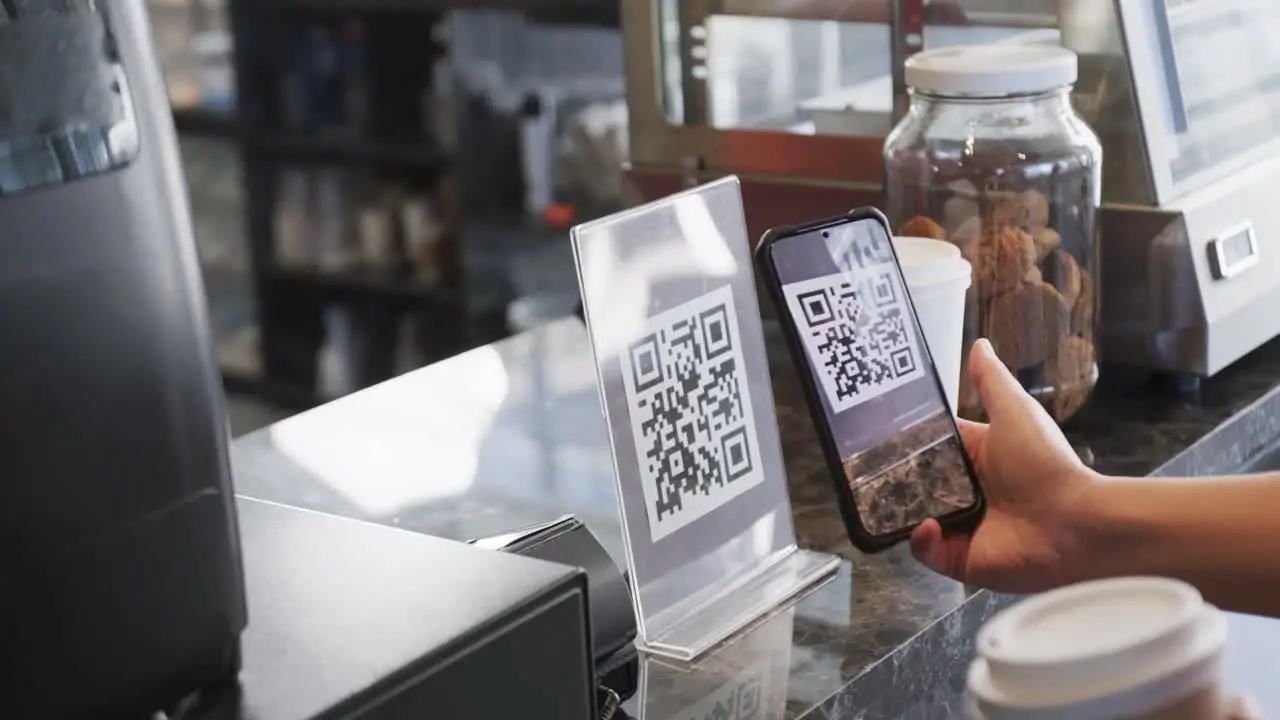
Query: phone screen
[886,413]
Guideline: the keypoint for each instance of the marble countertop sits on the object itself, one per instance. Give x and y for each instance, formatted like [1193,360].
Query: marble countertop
[512,434]
[1135,426]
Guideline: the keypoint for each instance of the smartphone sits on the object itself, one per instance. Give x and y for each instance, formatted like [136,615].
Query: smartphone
[891,443]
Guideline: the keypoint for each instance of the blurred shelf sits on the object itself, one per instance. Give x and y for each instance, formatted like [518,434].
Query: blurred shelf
[206,123]
[318,148]
[589,12]
[392,287]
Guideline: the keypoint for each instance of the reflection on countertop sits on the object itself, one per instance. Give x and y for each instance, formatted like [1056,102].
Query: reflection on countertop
[499,437]
[512,434]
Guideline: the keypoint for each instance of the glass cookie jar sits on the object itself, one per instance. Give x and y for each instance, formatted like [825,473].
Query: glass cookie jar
[992,157]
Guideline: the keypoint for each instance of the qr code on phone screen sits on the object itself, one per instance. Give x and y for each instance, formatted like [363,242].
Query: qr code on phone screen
[691,415]
[857,331]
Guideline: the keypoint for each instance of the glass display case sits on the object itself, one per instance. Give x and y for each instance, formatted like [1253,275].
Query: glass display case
[796,97]
[802,88]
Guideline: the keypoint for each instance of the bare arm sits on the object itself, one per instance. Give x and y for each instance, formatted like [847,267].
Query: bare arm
[1220,534]
[1051,521]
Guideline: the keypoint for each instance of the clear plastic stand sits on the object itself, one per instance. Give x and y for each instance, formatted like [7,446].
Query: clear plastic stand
[669,297]
[747,677]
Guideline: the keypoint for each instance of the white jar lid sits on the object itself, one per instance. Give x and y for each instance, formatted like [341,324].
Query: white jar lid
[1003,69]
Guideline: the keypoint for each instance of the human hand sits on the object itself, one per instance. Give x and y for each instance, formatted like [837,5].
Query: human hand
[1035,485]
[1244,708]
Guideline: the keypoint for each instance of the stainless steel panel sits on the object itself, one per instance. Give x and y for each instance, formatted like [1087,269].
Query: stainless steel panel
[1239,310]
[1152,314]
[1164,306]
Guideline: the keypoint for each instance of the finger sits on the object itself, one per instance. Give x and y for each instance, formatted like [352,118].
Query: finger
[998,389]
[925,541]
[941,553]
[971,434]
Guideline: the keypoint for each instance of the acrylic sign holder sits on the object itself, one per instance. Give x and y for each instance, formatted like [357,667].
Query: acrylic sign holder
[669,297]
[747,677]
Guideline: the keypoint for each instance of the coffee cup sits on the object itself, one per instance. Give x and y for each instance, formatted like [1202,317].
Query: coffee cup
[1133,648]
[937,279]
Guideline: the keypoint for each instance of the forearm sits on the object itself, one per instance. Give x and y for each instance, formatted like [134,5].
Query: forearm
[1220,534]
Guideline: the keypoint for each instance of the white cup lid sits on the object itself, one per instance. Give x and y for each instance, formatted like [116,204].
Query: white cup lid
[926,261]
[1001,69]
[1131,643]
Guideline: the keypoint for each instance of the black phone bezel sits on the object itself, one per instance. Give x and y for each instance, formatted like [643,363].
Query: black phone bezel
[958,521]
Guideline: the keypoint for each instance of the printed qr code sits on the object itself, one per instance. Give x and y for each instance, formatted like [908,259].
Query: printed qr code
[691,415]
[859,336]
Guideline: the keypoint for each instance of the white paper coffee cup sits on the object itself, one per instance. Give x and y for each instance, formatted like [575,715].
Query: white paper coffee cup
[937,278]
[1123,648]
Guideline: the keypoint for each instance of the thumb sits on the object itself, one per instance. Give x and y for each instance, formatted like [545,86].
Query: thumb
[998,389]
[1245,708]
[946,555]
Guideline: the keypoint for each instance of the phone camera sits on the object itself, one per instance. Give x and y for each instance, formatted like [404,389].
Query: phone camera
[826,234]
